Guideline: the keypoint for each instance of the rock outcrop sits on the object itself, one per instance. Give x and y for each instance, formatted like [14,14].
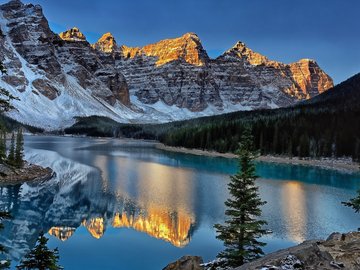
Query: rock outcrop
[172,79]
[339,251]
[106,44]
[28,173]
[187,48]
[186,263]
[72,34]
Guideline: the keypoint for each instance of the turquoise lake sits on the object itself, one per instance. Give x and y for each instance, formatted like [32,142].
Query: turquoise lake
[117,204]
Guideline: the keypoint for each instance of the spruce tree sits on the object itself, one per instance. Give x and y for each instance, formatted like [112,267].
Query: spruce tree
[11,156]
[19,150]
[242,228]
[2,68]
[5,96]
[4,264]
[2,145]
[41,257]
[354,203]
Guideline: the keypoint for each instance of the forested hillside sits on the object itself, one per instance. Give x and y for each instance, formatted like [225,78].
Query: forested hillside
[326,126]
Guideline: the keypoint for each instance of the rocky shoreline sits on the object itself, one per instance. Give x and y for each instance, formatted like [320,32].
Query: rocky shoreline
[28,173]
[338,251]
[342,165]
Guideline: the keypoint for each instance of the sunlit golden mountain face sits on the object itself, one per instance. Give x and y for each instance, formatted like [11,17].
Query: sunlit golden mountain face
[160,204]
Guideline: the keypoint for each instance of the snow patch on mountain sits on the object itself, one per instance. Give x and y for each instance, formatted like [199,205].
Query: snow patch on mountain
[60,78]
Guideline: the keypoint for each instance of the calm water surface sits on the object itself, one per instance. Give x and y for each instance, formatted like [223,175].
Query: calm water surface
[125,205]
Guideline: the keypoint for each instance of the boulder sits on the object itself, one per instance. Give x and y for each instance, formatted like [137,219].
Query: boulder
[186,263]
[339,251]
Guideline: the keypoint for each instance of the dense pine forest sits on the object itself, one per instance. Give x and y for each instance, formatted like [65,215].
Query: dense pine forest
[326,126]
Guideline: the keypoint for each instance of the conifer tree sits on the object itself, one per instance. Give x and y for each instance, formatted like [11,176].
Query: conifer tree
[41,257]
[4,264]
[2,145]
[19,150]
[11,156]
[2,68]
[5,96]
[242,228]
[354,203]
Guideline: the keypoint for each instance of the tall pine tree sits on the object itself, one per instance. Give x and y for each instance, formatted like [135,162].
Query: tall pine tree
[4,264]
[242,228]
[11,155]
[19,149]
[2,145]
[41,257]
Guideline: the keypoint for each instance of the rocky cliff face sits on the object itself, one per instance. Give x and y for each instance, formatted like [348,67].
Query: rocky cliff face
[72,34]
[54,74]
[170,80]
[187,48]
[106,44]
[179,72]
[172,71]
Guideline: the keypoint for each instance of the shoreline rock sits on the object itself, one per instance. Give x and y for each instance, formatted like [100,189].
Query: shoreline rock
[338,251]
[186,263]
[28,173]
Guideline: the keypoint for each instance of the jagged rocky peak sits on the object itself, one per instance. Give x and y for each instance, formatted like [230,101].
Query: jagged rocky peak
[106,43]
[191,36]
[72,34]
[187,47]
[16,9]
[240,50]
[311,79]
[15,4]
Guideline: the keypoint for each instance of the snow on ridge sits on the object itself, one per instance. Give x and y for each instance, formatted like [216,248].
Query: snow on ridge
[75,101]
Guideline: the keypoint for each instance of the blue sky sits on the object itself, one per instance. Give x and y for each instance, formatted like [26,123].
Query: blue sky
[284,30]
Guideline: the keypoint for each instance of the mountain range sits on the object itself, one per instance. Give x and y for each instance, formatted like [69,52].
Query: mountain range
[60,77]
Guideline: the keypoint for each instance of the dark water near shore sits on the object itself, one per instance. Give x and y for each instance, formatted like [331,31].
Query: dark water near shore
[125,205]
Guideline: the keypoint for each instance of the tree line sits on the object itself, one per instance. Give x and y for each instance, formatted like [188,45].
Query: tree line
[326,126]
[302,134]
[14,155]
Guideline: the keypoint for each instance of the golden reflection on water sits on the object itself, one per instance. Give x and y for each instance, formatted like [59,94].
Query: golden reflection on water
[170,188]
[294,210]
[62,233]
[172,227]
[162,195]
[95,226]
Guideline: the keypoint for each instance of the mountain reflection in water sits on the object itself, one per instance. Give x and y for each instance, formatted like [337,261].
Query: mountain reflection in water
[159,204]
[107,188]
[172,227]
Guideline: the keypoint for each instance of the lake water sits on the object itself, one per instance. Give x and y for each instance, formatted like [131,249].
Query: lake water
[125,205]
